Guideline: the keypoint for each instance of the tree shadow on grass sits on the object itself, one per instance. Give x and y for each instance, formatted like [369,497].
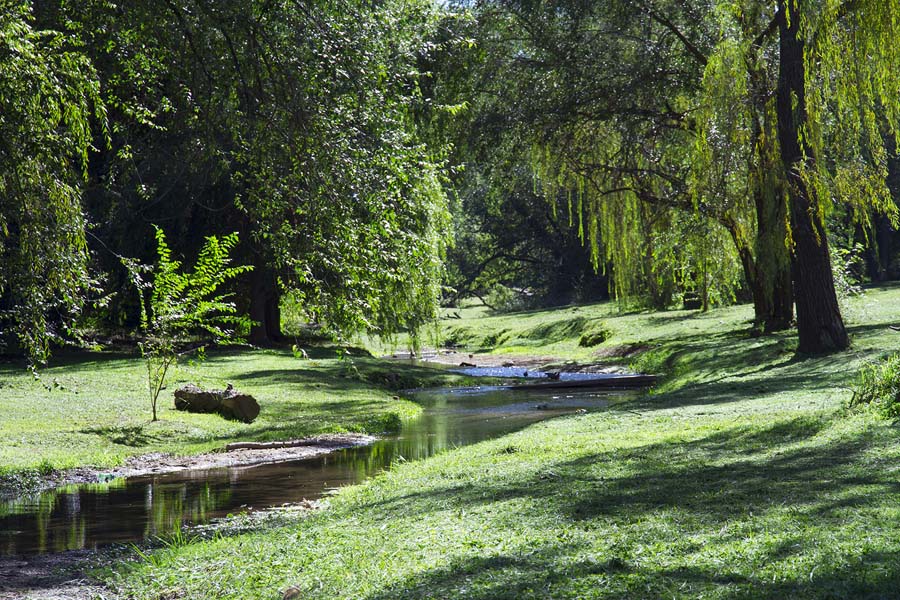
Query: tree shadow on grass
[123,435]
[560,573]
[765,467]
[531,574]
[775,479]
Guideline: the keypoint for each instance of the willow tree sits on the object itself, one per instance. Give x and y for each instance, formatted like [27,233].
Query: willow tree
[601,93]
[837,70]
[736,165]
[49,96]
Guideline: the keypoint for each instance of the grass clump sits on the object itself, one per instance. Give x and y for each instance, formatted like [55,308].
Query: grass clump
[878,384]
[594,336]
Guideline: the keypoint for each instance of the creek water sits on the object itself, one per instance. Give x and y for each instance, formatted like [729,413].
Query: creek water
[139,508]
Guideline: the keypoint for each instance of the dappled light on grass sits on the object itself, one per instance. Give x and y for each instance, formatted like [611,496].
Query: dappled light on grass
[742,476]
[604,505]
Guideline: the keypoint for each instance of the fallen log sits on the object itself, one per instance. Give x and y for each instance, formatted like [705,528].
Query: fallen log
[229,403]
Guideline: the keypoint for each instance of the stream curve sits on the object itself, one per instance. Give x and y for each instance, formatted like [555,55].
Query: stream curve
[138,508]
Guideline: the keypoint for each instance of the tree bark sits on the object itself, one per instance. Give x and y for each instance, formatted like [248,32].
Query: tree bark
[819,323]
[772,293]
[773,260]
[265,309]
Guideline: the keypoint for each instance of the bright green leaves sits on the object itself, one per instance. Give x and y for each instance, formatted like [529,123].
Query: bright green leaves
[49,99]
[853,99]
[346,198]
[179,306]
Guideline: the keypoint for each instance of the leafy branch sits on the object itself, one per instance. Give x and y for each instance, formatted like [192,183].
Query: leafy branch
[179,306]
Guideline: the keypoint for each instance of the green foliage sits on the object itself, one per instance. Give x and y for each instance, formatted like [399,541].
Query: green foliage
[49,98]
[502,298]
[609,147]
[297,123]
[596,335]
[878,384]
[179,308]
[853,100]
[846,269]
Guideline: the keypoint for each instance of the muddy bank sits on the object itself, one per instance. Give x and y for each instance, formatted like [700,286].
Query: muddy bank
[161,463]
[52,577]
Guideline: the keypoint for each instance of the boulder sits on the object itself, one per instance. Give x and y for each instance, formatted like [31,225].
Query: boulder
[229,403]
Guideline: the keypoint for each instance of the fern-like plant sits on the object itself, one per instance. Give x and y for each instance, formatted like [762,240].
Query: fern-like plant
[183,311]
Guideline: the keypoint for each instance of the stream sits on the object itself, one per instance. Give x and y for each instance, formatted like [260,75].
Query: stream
[139,508]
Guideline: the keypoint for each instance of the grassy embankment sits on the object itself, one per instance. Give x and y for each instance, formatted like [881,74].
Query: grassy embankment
[743,476]
[97,412]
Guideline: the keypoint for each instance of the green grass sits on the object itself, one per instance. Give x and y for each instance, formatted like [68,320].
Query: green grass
[97,412]
[558,332]
[743,477]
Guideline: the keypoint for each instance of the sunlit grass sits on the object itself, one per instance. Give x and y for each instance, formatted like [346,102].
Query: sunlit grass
[744,476]
[93,409]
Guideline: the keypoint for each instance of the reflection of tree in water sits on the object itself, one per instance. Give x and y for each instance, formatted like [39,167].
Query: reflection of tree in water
[170,506]
[56,519]
[87,516]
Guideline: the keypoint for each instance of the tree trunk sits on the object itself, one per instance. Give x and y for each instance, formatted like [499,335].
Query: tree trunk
[819,322]
[773,260]
[885,233]
[772,293]
[751,274]
[767,273]
[265,309]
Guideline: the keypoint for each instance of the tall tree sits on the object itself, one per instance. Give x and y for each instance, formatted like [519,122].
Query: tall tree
[49,96]
[819,322]
[836,59]
[291,121]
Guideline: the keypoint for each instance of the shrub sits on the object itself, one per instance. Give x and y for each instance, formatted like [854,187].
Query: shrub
[878,384]
[176,306]
[501,298]
[594,336]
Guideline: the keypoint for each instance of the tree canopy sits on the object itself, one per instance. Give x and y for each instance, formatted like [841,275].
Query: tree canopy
[49,98]
[662,150]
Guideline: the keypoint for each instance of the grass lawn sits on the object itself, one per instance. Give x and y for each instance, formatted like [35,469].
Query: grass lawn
[742,477]
[97,412]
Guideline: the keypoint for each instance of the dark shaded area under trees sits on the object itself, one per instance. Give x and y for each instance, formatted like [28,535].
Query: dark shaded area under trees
[655,152]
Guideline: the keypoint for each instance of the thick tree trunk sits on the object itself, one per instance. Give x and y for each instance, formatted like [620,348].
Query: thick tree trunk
[819,322]
[773,260]
[772,291]
[265,310]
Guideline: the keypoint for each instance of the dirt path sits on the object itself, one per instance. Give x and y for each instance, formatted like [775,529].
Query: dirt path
[51,577]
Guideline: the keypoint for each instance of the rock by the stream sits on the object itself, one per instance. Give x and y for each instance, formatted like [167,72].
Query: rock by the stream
[229,403]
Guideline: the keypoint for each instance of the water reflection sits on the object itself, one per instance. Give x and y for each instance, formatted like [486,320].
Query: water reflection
[130,510]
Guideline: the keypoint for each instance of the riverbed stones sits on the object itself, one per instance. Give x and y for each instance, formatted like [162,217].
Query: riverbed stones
[229,403]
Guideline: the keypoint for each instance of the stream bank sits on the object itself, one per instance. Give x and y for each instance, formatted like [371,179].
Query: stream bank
[742,477]
[158,496]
